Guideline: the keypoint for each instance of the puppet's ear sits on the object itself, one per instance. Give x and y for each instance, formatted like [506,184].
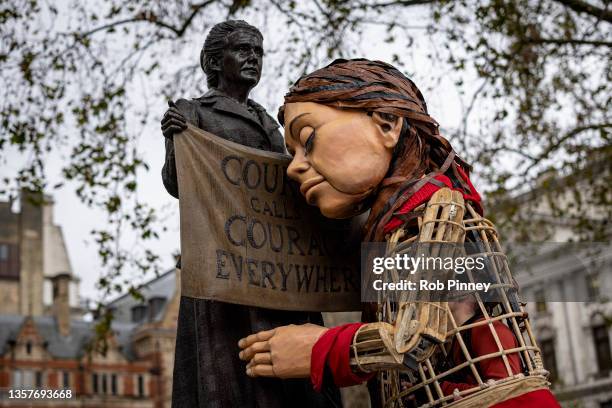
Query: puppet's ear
[389,126]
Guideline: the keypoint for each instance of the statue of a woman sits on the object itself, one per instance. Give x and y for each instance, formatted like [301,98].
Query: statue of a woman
[361,138]
[206,372]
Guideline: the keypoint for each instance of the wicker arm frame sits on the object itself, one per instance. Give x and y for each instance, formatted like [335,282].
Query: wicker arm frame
[411,336]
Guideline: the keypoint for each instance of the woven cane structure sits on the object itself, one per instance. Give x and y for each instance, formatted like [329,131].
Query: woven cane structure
[410,344]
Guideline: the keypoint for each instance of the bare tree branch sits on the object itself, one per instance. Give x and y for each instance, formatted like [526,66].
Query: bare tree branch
[504,148]
[405,3]
[568,41]
[584,7]
[195,10]
[554,146]
[470,107]
[149,17]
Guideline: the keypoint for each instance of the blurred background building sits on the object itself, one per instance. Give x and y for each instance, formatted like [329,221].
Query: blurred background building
[46,338]
[568,286]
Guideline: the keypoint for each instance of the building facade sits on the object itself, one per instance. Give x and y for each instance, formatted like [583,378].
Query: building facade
[46,343]
[571,315]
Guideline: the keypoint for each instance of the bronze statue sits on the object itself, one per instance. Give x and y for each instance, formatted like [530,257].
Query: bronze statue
[207,370]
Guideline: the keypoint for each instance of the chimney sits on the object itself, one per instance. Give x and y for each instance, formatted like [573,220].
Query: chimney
[31,253]
[61,302]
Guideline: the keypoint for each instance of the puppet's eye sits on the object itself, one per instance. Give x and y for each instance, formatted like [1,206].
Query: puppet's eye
[308,145]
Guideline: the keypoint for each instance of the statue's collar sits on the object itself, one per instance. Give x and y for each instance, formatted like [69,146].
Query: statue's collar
[213,95]
[220,101]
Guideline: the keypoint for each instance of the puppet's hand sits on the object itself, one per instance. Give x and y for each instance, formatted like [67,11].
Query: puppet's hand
[283,352]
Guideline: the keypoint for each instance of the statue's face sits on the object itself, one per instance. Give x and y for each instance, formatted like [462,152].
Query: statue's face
[242,58]
[339,156]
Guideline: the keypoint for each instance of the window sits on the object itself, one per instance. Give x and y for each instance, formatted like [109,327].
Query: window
[17,379]
[540,299]
[39,379]
[156,305]
[114,384]
[9,261]
[28,348]
[94,383]
[66,379]
[549,358]
[139,313]
[104,384]
[593,284]
[141,391]
[27,379]
[602,348]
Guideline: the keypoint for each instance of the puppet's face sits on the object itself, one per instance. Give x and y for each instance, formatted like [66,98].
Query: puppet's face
[339,156]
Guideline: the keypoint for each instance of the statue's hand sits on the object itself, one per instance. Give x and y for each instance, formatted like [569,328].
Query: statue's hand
[283,352]
[173,121]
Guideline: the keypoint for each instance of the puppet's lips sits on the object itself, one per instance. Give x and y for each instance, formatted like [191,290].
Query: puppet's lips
[310,183]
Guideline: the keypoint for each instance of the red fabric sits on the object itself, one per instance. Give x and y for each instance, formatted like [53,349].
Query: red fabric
[473,196]
[333,349]
[483,343]
[425,193]
[534,399]
[418,198]
[494,368]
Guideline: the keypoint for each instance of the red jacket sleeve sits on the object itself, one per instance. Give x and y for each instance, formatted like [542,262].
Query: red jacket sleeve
[333,350]
[533,399]
[448,387]
[483,343]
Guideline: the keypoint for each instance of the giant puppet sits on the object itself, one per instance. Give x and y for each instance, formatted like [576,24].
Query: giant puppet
[207,371]
[361,137]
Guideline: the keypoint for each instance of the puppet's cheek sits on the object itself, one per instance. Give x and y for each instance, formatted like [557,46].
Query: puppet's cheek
[353,171]
[333,203]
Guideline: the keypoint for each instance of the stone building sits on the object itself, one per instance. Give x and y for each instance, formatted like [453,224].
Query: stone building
[33,259]
[45,341]
[568,288]
[153,327]
[575,341]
